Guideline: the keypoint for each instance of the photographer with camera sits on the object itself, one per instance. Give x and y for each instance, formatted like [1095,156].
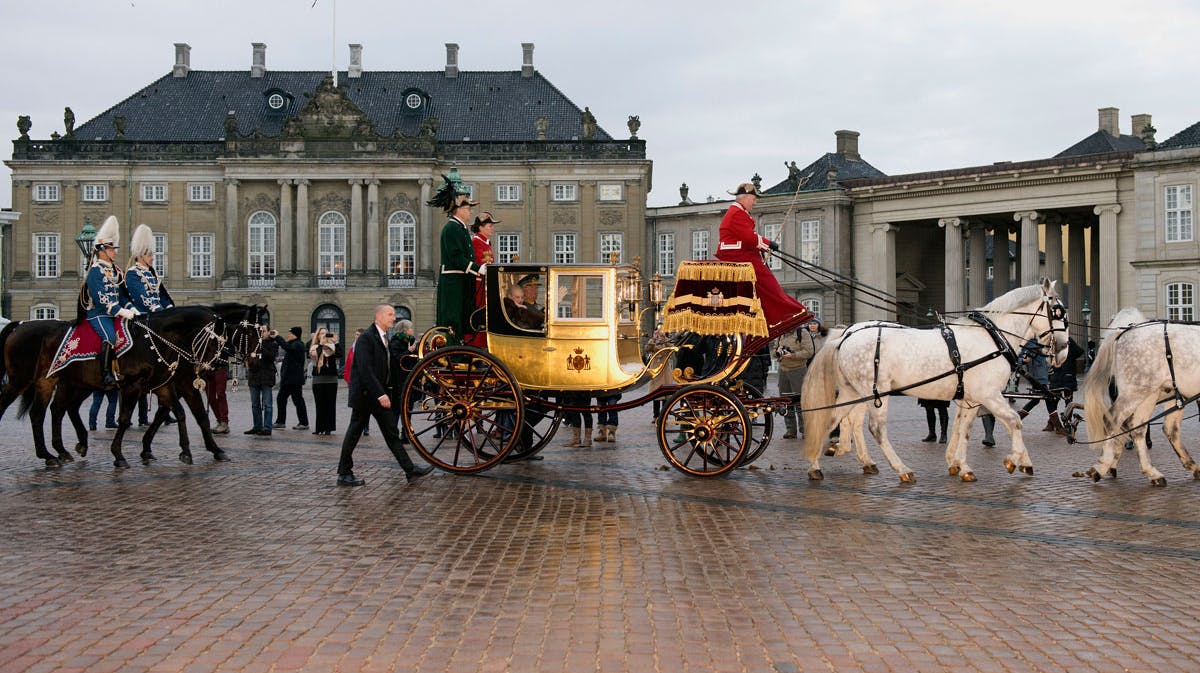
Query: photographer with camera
[260,377]
[325,353]
[793,353]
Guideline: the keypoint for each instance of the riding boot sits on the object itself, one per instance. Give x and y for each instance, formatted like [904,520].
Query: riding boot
[1023,413]
[945,423]
[1050,422]
[574,438]
[601,433]
[989,426]
[1056,424]
[929,420]
[587,438]
[612,434]
[106,361]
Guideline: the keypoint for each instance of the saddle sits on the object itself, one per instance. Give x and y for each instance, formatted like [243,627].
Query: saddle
[82,343]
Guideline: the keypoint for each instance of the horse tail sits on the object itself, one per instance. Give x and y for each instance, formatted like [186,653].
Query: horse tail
[1097,405]
[818,393]
[27,397]
[4,334]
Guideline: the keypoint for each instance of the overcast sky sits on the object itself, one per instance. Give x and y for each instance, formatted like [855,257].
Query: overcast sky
[723,90]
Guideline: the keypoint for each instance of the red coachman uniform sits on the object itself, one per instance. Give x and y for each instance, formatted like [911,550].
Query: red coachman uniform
[741,243]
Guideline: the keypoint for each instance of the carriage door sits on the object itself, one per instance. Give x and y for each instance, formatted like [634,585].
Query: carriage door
[331,318]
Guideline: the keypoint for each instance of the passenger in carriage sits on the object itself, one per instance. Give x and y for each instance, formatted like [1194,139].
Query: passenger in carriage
[741,243]
[518,313]
[104,296]
[456,280]
[530,285]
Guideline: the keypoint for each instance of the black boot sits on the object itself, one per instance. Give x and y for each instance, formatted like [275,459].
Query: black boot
[929,420]
[945,422]
[106,361]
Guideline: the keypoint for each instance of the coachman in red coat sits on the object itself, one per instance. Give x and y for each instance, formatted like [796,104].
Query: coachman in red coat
[741,243]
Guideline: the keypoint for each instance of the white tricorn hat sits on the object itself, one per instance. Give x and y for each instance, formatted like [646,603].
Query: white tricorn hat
[109,235]
[142,242]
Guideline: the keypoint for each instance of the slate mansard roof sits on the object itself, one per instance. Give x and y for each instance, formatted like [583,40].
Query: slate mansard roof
[1189,137]
[818,173]
[1103,142]
[482,106]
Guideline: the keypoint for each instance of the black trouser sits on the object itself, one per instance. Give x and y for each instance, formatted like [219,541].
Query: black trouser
[325,401]
[295,392]
[384,420]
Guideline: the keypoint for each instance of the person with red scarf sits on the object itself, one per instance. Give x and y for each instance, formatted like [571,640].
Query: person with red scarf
[483,230]
[741,243]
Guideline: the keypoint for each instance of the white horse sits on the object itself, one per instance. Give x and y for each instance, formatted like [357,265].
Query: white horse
[1134,357]
[908,357]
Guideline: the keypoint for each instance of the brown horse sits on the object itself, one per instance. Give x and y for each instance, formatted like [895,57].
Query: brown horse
[170,349]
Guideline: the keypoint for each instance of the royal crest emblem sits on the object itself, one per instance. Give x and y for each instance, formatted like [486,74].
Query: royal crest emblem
[578,360]
[715,298]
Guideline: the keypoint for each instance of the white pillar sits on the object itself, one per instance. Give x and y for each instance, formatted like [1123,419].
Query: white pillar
[1029,246]
[1076,265]
[233,229]
[373,226]
[1098,319]
[285,226]
[1000,261]
[356,226]
[883,255]
[1054,251]
[978,266]
[425,261]
[303,262]
[1110,290]
[955,278]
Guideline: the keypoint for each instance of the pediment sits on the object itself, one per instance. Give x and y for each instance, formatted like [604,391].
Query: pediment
[330,113]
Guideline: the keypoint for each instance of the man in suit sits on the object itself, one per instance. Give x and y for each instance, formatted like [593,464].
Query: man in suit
[369,381]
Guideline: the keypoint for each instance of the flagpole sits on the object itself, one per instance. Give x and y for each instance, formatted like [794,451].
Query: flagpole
[333,45]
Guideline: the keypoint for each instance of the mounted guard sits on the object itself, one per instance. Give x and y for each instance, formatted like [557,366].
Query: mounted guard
[147,292]
[104,295]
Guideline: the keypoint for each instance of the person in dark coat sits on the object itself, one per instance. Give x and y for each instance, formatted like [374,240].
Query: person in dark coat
[1038,371]
[370,378]
[291,380]
[456,279]
[325,353]
[1064,382]
[403,344]
[260,377]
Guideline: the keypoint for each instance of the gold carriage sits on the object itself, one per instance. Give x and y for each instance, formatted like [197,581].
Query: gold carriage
[557,336]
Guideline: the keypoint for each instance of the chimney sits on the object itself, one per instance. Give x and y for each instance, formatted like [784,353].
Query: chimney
[847,144]
[451,60]
[355,69]
[526,59]
[1110,121]
[1143,129]
[183,60]
[258,63]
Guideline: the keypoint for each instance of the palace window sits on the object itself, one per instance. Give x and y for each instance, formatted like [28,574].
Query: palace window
[700,247]
[261,247]
[200,255]
[814,306]
[45,255]
[611,192]
[46,192]
[771,232]
[154,192]
[1178,213]
[810,241]
[1181,301]
[610,242]
[564,191]
[564,248]
[43,312]
[402,249]
[508,247]
[95,192]
[666,253]
[508,193]
[160,255]
[331,250]
[200,192]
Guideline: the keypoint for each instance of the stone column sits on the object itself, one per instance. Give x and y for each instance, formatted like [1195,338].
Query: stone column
[883,255]
[1000,261]
[1029,245]
[303,259]
[373,227]
[955,278]
[1054,253]
[1106,270]
[354,245]
[1098,319]
[285,227]
[233,234]
[978,266]
[425,260]
[1076,266]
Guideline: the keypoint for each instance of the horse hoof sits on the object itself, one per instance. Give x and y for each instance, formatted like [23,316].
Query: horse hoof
[831,451]
[148,458]
[1112,472]
[954,470]
[815,475]
[1095,475]
[969,476]
[1195,474]
[1009,465]
[1027,469]
[53,463]
[220,457]
[120,462]
[81,449]
[185,458]
[874,469]
[1161,481]
[908,478]
[65,457]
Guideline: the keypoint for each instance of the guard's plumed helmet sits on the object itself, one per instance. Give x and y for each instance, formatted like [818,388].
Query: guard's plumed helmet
[142,241]
[109,235]
[448,198]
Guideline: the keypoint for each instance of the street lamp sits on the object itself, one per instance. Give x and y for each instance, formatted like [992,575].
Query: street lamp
[86,237]
[1087,335]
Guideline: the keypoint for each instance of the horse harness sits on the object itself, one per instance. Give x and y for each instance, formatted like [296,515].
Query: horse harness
[1180,401]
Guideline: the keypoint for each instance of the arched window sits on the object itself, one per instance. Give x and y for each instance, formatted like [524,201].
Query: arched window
[814,306]
[260,267]
[331,250]
[402,249]
[402,313]
[331,318]
[44,312]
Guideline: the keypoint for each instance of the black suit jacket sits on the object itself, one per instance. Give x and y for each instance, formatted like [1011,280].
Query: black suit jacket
[369,373]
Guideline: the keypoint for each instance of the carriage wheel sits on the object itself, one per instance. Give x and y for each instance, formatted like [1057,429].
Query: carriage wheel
[704,431]
[762,426]
[435,338]
[458,409]
[540,425]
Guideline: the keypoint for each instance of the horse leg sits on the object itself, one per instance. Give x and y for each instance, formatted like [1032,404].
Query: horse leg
[854,430]
[960,434]
[835,418]
[57,411]
[185,442]
[160,417]
[37,416]
[1121,414]
[1142,414]
[878,427]
[196,405]
[1018,455]
[128,402]
[81,433]
[1172,428]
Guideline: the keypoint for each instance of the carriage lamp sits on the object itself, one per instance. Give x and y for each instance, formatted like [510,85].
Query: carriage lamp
[656,289]
[85,237]
[1087,317]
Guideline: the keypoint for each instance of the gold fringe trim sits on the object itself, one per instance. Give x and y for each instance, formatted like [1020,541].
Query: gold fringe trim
[742,272]
[749,324]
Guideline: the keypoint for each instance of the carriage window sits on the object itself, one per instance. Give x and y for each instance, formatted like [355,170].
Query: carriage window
[580,297]
[523,303]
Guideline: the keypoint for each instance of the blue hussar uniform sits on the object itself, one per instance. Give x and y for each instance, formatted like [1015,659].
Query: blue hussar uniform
[105,296]
[147,293]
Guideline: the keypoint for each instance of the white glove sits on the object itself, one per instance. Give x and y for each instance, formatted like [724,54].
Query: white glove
[127,313]
[482,269]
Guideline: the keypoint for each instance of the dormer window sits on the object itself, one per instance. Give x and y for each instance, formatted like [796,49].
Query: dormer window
[414,100]
[275,101]
[278,100]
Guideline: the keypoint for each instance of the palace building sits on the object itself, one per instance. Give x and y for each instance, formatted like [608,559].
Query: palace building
[306,190]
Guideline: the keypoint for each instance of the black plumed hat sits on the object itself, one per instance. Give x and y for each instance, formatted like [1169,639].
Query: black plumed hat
[448,197]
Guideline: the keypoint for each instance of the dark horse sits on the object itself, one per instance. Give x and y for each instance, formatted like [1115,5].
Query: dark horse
[170,350]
